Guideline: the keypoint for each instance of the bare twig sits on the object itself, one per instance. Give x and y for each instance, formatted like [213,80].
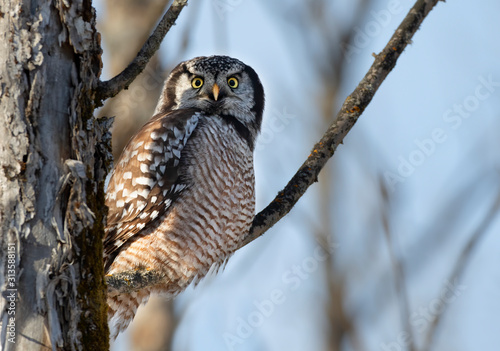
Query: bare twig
[460,266]
[349,113]
[113,86]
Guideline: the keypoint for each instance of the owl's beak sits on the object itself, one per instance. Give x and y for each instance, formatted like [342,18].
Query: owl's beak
[215,90]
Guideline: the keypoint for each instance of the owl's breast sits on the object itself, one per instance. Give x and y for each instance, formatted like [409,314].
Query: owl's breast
[216,210]
[218,164]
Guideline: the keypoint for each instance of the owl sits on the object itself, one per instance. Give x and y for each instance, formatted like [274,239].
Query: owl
[181,196]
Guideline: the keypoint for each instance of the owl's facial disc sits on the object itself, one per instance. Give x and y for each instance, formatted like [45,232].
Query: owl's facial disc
[217,85]
[216,92]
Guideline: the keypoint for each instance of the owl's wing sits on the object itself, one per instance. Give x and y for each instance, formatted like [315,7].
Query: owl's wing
[145,181]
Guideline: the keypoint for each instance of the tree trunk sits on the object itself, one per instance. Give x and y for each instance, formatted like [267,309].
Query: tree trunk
[53,160]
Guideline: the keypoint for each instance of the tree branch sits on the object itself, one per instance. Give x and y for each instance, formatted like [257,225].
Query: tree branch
[352,108]
[113,86]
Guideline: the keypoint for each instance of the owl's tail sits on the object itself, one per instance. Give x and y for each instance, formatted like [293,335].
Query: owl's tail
[122,309]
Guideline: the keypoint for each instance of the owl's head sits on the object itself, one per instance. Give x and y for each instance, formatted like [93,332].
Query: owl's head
[218,85]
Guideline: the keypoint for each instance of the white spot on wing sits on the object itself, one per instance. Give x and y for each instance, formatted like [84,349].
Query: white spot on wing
[127,175]
[154,147]
[143,156]
[178,134]
[138,145]
[143,181]
[144,193]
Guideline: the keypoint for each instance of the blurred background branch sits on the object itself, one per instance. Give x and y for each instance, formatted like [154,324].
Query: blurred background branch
[462,262]
[398,266]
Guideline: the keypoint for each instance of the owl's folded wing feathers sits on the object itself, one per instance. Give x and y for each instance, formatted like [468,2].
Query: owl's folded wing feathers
[145,182]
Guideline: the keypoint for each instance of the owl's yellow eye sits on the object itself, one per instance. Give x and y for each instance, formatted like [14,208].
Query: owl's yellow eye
[197,82]
[232,82]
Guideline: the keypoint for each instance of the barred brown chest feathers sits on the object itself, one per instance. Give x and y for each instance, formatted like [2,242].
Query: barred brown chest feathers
[181,197]
[211,213]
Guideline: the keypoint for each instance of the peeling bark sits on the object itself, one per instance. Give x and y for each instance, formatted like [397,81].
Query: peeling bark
[53,160]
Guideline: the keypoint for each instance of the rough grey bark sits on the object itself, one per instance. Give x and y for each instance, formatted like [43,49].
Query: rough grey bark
[350,111]
[53,157]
